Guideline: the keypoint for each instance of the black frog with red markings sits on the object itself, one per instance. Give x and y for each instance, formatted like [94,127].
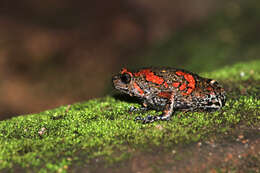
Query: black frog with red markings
[170,89]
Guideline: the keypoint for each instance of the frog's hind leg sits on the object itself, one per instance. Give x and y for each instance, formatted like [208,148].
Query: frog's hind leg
[165,116]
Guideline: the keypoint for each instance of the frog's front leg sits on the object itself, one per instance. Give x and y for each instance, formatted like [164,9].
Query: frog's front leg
[141,109]
[165,116]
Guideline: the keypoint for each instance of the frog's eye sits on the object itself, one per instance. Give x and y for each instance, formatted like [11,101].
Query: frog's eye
[125,78]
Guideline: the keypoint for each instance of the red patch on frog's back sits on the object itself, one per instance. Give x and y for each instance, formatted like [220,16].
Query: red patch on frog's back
[150,76]
[191,82]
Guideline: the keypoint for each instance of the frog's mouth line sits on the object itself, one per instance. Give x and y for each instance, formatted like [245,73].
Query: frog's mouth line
[122,89]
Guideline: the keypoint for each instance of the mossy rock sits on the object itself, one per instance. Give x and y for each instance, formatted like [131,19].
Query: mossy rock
[101,133]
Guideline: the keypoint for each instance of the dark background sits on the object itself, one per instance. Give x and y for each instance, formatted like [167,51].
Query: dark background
[56,52]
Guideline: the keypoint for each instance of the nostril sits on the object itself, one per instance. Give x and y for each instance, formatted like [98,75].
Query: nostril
[114,77]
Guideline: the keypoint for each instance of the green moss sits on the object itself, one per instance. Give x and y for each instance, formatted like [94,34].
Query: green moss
[239,72]
[55,140]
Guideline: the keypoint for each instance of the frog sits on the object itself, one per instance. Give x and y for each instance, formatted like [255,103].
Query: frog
[168,90]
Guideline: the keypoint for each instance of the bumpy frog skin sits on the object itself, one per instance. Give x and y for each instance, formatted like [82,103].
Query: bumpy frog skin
[170,89]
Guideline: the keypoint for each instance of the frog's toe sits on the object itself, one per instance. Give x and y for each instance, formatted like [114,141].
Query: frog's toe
[135,109]
[138,118]
[150,118]
[132,109]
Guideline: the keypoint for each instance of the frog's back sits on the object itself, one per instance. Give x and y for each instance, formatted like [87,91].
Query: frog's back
[171,74]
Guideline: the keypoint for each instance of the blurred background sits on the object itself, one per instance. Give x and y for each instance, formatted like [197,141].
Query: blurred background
[56,52]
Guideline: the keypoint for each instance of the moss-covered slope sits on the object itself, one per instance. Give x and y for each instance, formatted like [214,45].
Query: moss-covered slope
[72,136]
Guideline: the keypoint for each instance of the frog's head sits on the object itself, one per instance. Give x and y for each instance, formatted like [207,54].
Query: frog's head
[125,82]
[214,96]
